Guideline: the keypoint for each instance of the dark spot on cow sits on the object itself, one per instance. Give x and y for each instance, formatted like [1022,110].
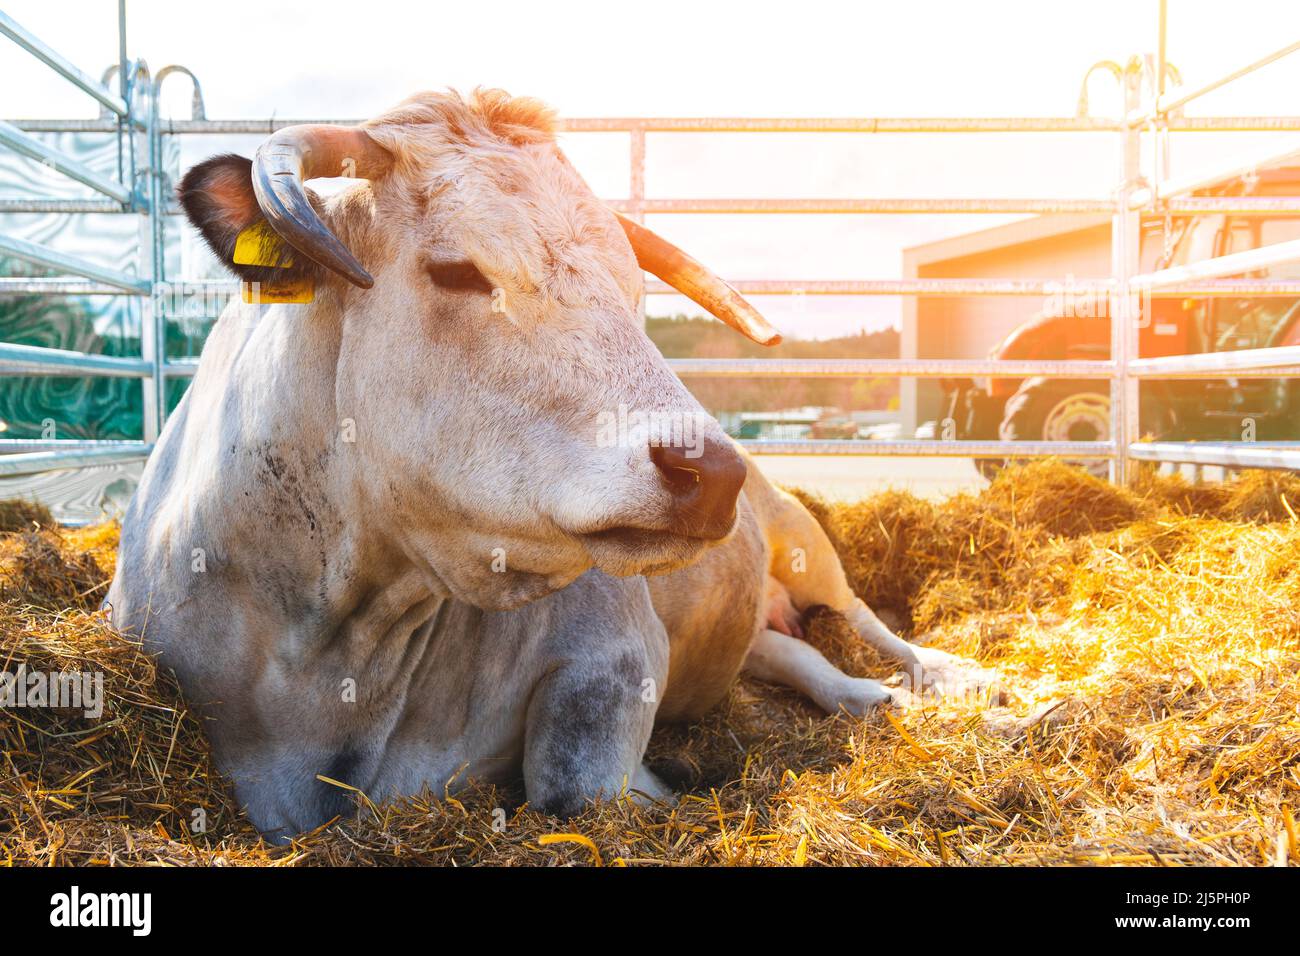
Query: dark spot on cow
[630,669]
[584,718]
[292,486]
[343,765]
[562,805]
[335,801]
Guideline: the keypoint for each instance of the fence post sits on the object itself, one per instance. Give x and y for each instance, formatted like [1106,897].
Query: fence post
[1126,262]
[152,315]
[636,192]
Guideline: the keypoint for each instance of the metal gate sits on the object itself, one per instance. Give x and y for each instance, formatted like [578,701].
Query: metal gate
[132,113]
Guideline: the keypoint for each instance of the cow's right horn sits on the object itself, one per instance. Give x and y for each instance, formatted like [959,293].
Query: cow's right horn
[298,153]
[658,256]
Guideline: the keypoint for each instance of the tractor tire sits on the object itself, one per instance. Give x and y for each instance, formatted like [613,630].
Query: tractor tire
[1059,410]
[989,467]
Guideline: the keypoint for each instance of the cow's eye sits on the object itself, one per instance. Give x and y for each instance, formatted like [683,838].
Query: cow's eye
[458,277]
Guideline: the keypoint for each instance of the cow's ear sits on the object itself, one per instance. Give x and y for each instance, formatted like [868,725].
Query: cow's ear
[217,196]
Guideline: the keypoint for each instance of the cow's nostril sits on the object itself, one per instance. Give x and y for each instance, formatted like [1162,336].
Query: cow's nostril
[705,481]
[680,477]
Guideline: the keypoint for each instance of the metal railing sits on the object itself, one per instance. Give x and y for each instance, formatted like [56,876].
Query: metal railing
[130,113]
[133,115]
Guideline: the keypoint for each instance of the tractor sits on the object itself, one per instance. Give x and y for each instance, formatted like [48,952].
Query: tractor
[1047,409]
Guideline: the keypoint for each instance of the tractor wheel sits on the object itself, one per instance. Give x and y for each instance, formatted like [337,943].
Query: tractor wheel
[1055,410]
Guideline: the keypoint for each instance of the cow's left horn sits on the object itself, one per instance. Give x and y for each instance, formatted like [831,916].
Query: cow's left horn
[298,153]
[688,276]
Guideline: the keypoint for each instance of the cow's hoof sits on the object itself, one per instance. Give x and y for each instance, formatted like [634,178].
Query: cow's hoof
[858,695]
[646,789]
[940,674]
[562,806]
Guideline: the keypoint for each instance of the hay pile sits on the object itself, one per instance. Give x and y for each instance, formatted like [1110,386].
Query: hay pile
[1150,641]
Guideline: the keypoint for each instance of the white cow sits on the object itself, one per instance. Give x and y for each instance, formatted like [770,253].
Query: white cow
[455,517]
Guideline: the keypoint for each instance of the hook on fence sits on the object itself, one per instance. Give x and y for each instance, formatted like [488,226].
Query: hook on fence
[197,110]
[1111,67]
[140,71]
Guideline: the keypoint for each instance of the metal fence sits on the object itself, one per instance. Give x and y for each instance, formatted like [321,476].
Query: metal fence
[132,113]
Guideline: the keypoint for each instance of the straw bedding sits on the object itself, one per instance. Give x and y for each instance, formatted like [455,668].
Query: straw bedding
[1149,640]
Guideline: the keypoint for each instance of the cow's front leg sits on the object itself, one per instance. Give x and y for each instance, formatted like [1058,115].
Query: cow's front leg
[592,708]
[588,725]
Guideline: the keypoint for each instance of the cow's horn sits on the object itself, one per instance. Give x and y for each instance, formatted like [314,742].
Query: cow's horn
[298,153]
[660,257]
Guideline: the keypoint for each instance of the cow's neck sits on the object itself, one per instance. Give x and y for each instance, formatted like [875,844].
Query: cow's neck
[300,531]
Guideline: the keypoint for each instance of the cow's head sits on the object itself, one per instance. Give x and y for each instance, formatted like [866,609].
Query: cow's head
[514,425]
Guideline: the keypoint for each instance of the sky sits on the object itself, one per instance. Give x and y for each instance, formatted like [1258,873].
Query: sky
[673,58]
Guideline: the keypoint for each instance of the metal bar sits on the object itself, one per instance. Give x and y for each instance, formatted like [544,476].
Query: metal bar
[918,287]
[911,368]
[1205,179]
[14,31]
[867,206]
[880,124]
[181,368]
[18,286]
[153,318]
[1237,205]
[1227,287]
[1232,264]
[1126,259]
[721,125]
[923,448]
[25,145]
[1272,361]
[1234,205]
[37,360]
[1231,124]
[1004,287]
[1228,454]
[123,82]
[1162,35]
[264,127]
[897,368]
[936,288]
[636,175]
[14,446]
[805,125]
[998,287]
[11,286]
[53,259]
[1163,107]
[34,463]
[63,206]
[1278,371]
[636,196]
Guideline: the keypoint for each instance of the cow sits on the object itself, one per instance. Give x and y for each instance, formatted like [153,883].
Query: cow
[398,536]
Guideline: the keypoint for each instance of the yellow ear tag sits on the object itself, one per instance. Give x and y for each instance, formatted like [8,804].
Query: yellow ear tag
[258,245]
[271,293]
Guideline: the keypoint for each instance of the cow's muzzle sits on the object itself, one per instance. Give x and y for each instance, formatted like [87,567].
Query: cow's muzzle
[704,482]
